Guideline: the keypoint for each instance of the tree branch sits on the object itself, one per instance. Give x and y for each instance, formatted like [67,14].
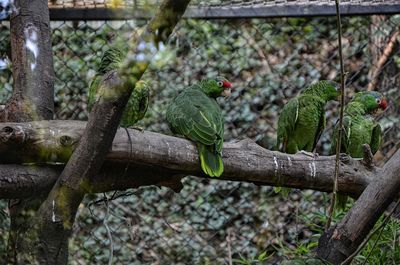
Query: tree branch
[342,240]
[165,156]
[377,67]
[57,213]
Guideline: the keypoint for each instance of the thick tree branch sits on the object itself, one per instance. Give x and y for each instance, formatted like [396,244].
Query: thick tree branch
[341,241]
[19,181]
[167,155]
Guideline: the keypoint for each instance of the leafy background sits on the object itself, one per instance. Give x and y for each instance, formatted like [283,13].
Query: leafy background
[209,221]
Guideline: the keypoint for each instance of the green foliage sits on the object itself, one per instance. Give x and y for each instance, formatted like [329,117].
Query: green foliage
[258,259]
[387,249]
[385,252]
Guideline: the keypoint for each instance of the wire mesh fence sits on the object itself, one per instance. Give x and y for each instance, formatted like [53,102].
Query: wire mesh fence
[268,61]
[210,3]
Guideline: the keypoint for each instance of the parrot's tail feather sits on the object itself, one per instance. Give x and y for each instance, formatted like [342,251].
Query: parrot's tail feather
[211,162]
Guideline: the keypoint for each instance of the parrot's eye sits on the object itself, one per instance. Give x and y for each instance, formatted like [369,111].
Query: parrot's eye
[220,83]
[378,101]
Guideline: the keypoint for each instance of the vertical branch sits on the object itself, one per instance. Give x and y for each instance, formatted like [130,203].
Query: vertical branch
[339,135]
[32,99]
[32,63]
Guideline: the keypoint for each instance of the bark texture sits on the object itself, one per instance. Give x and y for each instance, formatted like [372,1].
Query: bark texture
[57,213]
[32,99]
[342,240]
[47,142]
[32,63]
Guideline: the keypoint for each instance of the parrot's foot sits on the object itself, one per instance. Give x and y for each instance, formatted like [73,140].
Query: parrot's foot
[310,154]
[141,129]
[345,158]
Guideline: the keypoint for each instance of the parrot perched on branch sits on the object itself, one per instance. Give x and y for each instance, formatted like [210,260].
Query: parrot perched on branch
[139,100]
[302,119]
[195,114]
[359,128]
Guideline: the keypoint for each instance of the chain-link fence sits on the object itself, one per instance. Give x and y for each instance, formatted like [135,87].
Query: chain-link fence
[268,61]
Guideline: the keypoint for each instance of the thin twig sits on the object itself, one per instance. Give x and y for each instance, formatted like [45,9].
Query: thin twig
[130,155]
[228,241]
[109,235]
[376,70]
[381,226]
[339,135]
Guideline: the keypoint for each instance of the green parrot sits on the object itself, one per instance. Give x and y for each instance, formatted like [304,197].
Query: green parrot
[195,114]
[359,128]
[302,119]
[139,100]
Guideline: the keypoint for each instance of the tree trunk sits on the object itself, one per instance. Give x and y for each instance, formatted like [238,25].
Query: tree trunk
[32,99]
[32,62]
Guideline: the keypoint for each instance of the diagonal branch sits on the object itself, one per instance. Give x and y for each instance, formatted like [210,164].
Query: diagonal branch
[377,67]
[342,240]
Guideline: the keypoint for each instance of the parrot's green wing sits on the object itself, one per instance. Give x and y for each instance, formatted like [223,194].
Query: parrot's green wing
[286,123]
[220,132]
[320,129]
[109,61]
[137,105]
[198,117]
[346,136]
[94,85]
[376,138]
[138,102]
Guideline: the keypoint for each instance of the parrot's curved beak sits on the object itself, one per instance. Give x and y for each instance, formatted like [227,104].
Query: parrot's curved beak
[226,92]
[226,84]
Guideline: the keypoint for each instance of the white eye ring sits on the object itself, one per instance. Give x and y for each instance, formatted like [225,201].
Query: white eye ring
[220,83]
[378,101]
